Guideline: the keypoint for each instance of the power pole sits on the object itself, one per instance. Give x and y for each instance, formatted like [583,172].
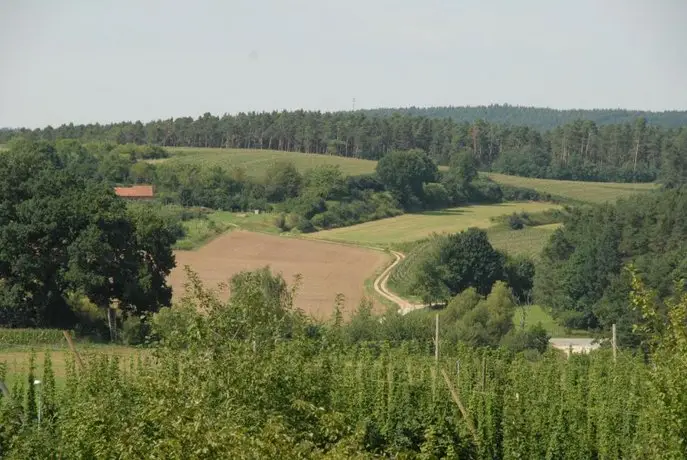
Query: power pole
[354,104]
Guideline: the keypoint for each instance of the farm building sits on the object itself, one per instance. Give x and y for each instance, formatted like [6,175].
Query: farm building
[136,192]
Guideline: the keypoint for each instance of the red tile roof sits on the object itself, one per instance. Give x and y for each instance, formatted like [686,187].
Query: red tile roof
[137,191]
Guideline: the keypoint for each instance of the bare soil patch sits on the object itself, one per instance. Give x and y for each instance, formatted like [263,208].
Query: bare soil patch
[327,269]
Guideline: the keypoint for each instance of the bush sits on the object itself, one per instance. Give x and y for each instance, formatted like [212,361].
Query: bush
[436,196]
[135,330]
[305,226]
[484,190]
[535,338]
[280,222]
[515,222]
[514,193]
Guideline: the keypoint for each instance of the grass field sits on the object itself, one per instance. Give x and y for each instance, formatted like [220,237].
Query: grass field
[529,241]
[201,231]
[410,227]
[257,161]
[534,314]
[592,192]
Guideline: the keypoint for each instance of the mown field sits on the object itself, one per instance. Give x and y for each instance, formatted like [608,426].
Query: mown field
[532,314]
[201,231]
[529,241]
[591,192]
[257,161]
[412,227]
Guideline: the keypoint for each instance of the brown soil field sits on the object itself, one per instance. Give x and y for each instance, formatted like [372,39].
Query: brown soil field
[326,268]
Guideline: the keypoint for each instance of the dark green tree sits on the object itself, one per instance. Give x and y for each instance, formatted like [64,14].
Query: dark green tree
[282,181]
[61,233]
[404,174]
[674,173]
[457,262]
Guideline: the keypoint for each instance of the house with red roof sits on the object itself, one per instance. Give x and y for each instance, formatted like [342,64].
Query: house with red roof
[136,192]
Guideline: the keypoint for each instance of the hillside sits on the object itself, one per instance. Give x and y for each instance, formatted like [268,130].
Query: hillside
[256,162]
[636,150]
[541,118]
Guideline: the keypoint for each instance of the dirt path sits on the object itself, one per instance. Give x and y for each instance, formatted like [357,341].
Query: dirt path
[380,286]
[575,345]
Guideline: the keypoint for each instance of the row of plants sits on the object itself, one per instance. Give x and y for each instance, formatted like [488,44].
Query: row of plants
[254,378]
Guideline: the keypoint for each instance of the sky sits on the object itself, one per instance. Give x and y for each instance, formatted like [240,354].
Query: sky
[87,61]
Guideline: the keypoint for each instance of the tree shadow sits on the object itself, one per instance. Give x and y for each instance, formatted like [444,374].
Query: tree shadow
[443,212]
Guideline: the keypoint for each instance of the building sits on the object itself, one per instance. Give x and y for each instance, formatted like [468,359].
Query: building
[136,192]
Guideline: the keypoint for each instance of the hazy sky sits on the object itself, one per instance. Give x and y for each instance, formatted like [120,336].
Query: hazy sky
[103,60]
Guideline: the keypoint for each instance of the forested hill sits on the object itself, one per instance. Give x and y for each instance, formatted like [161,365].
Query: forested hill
[580,150]
[540,118]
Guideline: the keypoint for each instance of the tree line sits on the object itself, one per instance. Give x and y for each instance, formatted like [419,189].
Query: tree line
[585,270]
[539,117]
[635,150]
[70,249]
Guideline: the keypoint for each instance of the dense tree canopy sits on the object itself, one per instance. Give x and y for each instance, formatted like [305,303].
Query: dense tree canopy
[62,233]
[582,273]
[538,117]
[404,173]
[579,147]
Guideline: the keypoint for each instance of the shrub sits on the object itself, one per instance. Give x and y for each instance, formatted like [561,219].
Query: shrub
[135,330]
[435,195]
[515,222]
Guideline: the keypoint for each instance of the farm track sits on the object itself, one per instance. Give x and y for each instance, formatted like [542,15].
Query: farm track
[576,345]
[380,286]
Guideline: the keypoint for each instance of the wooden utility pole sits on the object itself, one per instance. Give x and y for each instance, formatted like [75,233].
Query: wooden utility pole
[73,348]
[614,343]
[459,403]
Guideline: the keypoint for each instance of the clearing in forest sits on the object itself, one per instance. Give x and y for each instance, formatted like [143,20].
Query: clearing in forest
[591,192]
[256,162]
[411,227]
[327,269]
[528,241]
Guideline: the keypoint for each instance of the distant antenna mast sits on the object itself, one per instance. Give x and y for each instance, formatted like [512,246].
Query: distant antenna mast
[353,104]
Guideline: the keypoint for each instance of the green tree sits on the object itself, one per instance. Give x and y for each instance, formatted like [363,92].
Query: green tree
[674,173]
[326,181]
[404,174]
[457,262]
[282,181]
[61,233]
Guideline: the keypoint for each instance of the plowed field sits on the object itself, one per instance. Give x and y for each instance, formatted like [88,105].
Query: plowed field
[327,269]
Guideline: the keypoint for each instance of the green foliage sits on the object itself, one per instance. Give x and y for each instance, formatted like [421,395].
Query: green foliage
[135,330]
[282,181]
[533,338]
[674,173]
[515,222]
[456,262]
[599,145]
[404,174]
[435,196]
[61,233]
[248,378]
[35,337]
[580,274]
